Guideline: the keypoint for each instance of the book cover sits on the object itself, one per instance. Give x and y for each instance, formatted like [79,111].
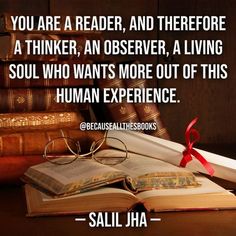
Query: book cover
[17,122]
[41,74]
[118,112]
[31,45]
[35,99]
[33,142]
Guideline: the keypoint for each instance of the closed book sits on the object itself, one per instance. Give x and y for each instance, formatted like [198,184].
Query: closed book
[12,168]
[16,122]
[33,74]
[148,112]
[45,47]
[6,24]
[33,142]
[119,112]
[42,99]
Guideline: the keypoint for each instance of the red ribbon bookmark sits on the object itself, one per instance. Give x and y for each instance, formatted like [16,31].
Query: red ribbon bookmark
[189,152]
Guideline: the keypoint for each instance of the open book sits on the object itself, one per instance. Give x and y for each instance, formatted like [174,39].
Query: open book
[137,173]
[85,186]
[205,197]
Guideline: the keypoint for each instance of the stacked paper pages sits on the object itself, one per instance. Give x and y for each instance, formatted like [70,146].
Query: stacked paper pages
[172,152]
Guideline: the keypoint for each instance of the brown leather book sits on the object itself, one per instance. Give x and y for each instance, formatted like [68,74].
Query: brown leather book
[17,122]
[148,112]
[42,99]
[34,71]
[33,143]
[51,43]
[119,112]
[12,168]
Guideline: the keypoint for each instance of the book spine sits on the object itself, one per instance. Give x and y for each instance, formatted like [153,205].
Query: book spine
[12,168]
[17,122]
[25,100]
[33,143]
[40,38]
[37,69]
[5,24]
[148,112]
[119,112]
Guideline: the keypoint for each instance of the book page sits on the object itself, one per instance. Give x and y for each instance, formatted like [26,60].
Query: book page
[81,173]
[171,152]
[147,173]
[206,187]
[100,200]
[139,165]
[100,191]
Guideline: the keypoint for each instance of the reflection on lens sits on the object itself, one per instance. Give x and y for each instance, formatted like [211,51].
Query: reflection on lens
[109,157]
[62,150]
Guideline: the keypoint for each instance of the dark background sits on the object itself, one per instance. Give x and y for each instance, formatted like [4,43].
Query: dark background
[213,101]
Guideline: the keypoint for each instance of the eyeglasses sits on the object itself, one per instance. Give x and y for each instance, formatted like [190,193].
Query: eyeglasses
[65,150]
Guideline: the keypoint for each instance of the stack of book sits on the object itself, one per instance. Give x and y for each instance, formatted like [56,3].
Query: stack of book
[29,113]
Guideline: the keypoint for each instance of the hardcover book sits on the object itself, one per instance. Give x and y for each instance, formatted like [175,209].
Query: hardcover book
[55,47]
[148,112]
[37,99]
[12,168]
[16,122]
[119,112]
[40,74]
[85,186]
[128,112]
[33,142]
